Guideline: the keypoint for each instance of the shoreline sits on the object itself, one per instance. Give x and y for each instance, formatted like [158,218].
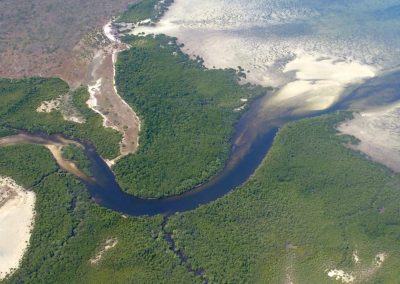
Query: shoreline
[307,82]
[378,132]
[313,82]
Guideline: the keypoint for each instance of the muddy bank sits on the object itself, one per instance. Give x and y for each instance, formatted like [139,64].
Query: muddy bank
[104,98]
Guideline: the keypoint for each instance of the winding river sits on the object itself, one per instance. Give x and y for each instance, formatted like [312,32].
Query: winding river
[254,136]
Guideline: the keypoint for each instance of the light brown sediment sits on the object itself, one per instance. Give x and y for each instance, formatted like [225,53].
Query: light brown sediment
[55,148]
[56,151]
[104,98]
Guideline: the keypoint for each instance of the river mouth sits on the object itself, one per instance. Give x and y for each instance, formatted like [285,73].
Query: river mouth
[254,136]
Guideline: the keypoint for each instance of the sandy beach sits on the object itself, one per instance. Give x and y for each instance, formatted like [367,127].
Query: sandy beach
[16,221]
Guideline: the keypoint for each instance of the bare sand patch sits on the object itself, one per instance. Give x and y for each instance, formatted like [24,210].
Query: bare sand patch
[108,244]
[362,272]
[341,275]
[319,83]
[379,133]
[49,106]
[16,221]
[64,106]
[110,32]
[356,258]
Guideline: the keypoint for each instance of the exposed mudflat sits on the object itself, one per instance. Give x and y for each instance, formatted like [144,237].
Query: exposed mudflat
[379,133]
[104,98]
[313,52]
[282,45]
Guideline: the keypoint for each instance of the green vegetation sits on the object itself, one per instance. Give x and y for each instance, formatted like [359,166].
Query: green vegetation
[13,163]
[187,114]
[148,9]
[70,229]
[6,132]
[21,98]
[77,155]
[308,208]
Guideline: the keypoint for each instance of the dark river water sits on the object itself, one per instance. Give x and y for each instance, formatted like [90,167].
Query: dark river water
[255,133]
[254,136]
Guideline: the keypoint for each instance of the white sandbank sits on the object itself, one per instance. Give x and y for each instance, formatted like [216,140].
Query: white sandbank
[109,32]
[16,221]
[319,83]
